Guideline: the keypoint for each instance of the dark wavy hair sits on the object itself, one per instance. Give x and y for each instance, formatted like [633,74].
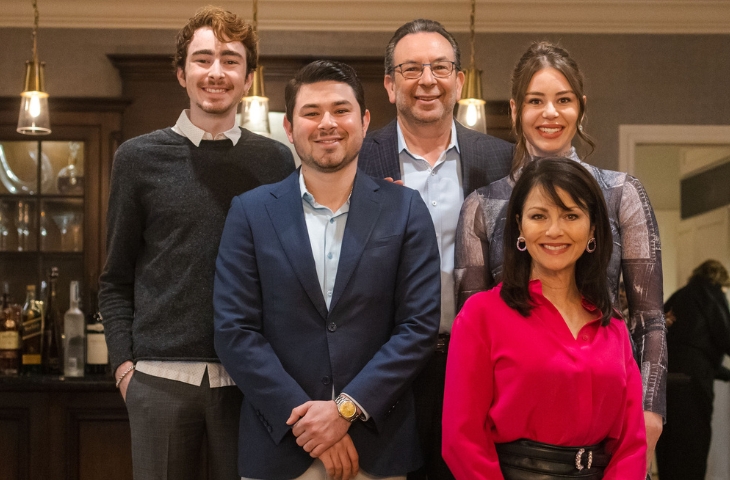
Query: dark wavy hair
[323,71]
[542,55]
[227,26]
[551,175]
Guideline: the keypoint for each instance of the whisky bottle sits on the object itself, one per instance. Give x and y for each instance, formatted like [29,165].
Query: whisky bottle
[32,337]
[97,353]
[10,327]
[73,335]
[52,345]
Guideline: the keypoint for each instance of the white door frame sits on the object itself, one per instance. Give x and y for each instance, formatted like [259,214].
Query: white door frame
[629,136]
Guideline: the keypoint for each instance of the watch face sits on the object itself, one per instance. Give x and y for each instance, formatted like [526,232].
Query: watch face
[347,409]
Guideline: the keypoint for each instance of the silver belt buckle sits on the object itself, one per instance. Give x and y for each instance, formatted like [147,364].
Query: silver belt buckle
[579,458]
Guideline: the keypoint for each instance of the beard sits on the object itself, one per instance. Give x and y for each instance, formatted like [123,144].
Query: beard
[324,166]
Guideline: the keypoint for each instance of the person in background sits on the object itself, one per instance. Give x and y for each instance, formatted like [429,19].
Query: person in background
[170,191]
[541,382]
[548,109]
[698,339]
[427,150]
[327,300]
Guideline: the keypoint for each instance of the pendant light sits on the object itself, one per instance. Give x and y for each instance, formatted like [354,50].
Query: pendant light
[33,118]
[471,111]
[255,105]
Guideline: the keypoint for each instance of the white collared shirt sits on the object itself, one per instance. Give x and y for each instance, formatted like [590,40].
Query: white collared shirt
[192,372]
[441,187]
[195,134]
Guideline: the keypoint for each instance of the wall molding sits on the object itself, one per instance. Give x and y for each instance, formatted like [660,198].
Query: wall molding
[629,136]
[570,16]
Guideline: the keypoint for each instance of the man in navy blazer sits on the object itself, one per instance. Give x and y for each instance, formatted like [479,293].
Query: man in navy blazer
[430,152]
[327,300]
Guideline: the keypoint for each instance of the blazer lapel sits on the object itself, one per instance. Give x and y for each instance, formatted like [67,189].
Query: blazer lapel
[364,212]
[287,216]
[471,177]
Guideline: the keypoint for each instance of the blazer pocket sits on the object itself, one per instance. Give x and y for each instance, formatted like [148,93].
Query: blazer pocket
[383,242]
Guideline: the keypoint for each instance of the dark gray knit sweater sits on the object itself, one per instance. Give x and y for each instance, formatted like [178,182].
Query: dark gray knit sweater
[167,206]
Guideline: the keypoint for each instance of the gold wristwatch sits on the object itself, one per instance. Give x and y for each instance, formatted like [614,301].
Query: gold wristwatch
[346,408]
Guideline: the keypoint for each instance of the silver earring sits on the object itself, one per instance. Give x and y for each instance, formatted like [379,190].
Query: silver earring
[523,247]
[589,248]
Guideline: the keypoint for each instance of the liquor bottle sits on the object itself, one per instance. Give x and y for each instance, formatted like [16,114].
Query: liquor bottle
[10,327]
[73,335]
[97,354]
[32,316]
[52,344]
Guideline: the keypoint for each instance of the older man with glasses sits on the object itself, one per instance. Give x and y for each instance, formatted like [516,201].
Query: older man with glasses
[425,149]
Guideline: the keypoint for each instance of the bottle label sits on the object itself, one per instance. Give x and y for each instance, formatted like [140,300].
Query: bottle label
[9,341]
[31,359]
[32,327]
[97,352]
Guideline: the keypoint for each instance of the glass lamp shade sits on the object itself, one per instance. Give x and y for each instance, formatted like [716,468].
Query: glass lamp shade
[255,106]
[255,115]
[33,118]
[472,114]
[471,111]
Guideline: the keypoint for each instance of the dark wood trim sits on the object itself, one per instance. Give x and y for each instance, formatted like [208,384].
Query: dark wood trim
[75,417]
[20,416]
[158,67]
[72,104]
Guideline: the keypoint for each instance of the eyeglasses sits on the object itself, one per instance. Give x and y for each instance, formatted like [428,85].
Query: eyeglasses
[413,70]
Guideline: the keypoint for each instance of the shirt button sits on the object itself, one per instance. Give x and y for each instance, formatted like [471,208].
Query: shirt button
[329,255]
[332,327]
[329,294]
[434,203]
[332,220]
[433,173]
[585,337]
[326,380]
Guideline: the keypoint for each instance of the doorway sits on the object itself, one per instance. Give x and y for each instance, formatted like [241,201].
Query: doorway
[668,160]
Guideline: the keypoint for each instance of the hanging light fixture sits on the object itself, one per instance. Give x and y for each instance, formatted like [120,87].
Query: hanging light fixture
[255,105]
[33,118]
[471,111]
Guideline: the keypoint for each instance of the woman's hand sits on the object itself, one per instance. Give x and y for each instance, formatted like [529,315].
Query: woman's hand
[654,425]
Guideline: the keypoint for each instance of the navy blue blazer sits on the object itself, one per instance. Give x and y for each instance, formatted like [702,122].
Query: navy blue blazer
[484,159]
[282,346]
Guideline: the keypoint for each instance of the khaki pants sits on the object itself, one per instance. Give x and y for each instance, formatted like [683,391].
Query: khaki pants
[318,472]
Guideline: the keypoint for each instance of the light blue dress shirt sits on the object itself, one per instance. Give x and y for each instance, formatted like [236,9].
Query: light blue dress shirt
[441,188]
[326,230]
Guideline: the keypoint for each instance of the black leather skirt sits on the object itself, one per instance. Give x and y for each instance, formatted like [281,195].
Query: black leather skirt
[528,460]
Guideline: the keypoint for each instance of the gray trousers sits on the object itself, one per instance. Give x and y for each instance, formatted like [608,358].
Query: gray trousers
[170,420]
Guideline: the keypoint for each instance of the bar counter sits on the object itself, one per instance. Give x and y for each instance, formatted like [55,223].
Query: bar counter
[55,427]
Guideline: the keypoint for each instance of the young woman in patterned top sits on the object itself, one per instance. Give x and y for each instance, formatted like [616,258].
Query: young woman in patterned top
[548,107]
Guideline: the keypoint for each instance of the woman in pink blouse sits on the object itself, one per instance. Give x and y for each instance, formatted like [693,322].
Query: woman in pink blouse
[541,381]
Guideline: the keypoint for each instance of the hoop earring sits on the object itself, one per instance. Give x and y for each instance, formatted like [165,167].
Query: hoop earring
[521,240]
[590,249]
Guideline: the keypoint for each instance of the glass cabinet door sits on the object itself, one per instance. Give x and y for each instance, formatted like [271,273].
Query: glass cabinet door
[42,193]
